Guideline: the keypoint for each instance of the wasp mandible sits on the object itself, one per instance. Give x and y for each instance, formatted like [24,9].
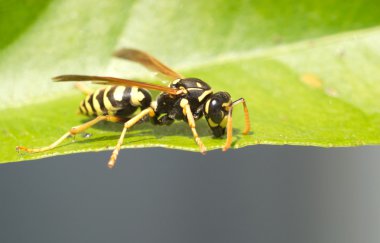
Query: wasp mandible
[186,99]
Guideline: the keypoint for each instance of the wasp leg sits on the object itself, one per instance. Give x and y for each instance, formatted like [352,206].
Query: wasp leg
[190,119]
[227,145]
[83,89]
[72,131]
[148,111]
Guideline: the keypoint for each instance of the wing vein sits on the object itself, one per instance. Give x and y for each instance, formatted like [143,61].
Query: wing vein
[115,81]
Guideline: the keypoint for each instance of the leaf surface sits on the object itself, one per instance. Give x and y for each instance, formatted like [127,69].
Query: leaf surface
[309,72]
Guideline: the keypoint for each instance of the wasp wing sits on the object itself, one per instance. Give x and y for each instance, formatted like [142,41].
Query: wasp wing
[116,81]
[147,61]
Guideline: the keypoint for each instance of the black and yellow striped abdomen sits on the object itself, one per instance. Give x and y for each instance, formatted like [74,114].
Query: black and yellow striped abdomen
[115,100]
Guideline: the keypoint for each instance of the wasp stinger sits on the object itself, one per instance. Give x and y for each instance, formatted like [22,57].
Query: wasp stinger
[186,99]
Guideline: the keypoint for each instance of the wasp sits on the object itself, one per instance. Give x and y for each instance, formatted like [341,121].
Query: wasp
[186,99]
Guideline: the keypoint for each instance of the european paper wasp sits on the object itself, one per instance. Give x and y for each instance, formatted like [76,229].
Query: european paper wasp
[186,99]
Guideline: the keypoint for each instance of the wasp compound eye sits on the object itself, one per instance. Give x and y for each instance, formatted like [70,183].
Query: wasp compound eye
[216,112]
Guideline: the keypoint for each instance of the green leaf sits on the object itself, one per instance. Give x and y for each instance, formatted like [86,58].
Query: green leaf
[309,72]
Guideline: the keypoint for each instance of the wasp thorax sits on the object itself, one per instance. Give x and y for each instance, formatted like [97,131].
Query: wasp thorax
[216,112]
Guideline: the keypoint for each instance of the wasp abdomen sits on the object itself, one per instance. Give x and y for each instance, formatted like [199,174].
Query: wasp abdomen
[115,100]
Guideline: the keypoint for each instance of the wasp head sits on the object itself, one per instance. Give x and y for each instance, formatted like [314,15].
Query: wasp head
[216,112]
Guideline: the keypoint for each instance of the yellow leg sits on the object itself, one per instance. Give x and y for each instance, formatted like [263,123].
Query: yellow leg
[72,131]
[82,88]
[148,111]
[227,145]
[246,116]
[191,122]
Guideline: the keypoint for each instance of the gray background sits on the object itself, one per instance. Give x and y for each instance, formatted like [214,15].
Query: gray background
[254,194]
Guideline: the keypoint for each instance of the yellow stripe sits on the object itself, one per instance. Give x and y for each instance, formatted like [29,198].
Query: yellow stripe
[87,104]
[96,104]
[183,102]
[107,103]
[223,123]
[136,96]
[81,108]
[175,81]
[227,105]
[118,93]
[207,92]
[211,123]
[207,105]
